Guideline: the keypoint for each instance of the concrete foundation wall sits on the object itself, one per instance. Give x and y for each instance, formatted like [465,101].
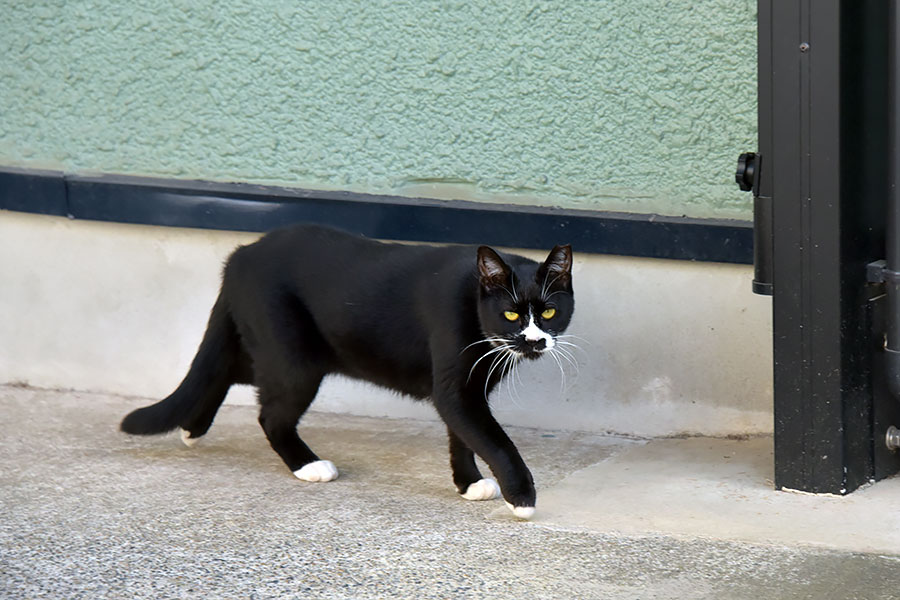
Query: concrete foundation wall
[668,347]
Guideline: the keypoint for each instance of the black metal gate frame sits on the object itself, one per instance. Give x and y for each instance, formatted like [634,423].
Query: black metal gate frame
[823,116]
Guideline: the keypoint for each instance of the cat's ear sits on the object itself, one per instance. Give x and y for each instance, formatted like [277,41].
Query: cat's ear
[492,271]
[558,266]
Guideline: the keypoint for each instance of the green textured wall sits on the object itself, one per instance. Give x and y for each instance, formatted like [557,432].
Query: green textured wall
[638,105]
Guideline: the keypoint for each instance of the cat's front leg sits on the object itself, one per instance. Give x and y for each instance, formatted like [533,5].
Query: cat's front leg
[471,425]
[469,482]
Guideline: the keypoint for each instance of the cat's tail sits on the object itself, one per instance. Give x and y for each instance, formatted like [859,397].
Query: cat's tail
[193,405]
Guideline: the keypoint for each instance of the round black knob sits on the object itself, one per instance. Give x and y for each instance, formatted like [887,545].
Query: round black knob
[746,170]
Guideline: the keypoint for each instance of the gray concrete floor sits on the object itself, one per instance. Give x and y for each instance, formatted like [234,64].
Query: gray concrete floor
[87,512]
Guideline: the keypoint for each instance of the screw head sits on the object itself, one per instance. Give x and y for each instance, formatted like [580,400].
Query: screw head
[804,47]
[892,438]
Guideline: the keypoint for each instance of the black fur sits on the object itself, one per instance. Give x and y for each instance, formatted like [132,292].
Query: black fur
[305,301]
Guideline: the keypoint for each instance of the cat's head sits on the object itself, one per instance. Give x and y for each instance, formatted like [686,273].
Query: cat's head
[525,307]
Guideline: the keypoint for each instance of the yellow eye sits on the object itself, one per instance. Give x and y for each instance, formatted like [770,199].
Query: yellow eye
[548,314]
[511,316]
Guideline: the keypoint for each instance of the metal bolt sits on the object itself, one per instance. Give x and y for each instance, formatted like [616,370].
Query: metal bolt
[892,438]
[804,47]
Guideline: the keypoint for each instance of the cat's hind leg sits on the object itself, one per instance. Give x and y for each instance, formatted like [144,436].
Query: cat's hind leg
[469,482]
[240,370]
[193,405]
[289,359]
[281,406]
[208,405]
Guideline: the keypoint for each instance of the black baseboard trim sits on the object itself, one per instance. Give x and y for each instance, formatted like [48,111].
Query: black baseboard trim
[247,207]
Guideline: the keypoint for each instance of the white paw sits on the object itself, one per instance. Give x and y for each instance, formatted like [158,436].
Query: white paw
[483,489]
[521,512]
[187,439]
[320,470]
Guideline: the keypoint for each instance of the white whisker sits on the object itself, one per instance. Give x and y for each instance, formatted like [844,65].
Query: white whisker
[568,356]
[484,341]
[494,364]
[512,294]
[517,373]
[544,284]
[516,376]
[485,355]
[508,366]
[546,287]
[567,343]
[564,336]
[547,297]
[570,348]
[563,340]
[562,372]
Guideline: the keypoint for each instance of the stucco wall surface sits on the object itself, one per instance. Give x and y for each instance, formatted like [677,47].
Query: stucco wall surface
[635,105]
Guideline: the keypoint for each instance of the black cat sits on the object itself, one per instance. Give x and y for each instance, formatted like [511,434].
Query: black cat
[441,322]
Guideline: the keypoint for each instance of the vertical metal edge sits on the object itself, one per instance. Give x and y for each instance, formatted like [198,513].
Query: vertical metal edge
[885,325]
[810,452]
[826,299]
[828,162]
[785,168]
[762,193]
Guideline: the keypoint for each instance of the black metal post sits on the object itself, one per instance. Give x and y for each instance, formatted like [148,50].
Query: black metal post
[890,274]
[887,321]
[827,95]
[762,243]
[763,209]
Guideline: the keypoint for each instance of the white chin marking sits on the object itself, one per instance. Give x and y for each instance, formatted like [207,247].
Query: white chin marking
[187,439]
[521,512]
[483,489]
[320,470]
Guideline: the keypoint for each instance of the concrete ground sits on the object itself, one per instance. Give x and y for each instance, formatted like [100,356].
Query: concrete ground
[88,512]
